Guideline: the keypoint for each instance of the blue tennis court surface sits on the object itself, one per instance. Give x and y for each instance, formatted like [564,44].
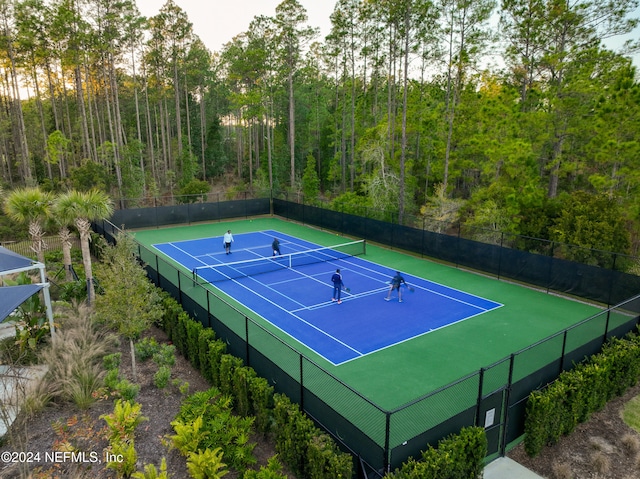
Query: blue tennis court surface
[297,300]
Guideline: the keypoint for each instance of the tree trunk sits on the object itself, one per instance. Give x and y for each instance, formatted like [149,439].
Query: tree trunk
[37,235]
[134,368]
[65,238]
[84,228]
[292,130]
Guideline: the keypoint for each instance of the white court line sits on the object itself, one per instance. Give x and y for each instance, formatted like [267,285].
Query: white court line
[350,297]
[359,269]
[188,254]
[295,316]
[452,298]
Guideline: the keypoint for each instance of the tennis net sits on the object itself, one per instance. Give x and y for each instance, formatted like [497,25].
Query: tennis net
[239,269]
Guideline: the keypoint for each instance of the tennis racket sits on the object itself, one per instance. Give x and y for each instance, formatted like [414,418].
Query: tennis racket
[348,290]
[411,289]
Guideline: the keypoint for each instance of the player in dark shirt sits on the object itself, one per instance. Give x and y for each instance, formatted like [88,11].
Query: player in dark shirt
[275,246]
[336,279]
[395,283]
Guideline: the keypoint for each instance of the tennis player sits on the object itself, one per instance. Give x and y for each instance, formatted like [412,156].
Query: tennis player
[395,283]
[227,239]
[275,246]
[336,279]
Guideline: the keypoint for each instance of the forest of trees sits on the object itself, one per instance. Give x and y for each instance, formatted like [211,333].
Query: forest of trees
[507,115]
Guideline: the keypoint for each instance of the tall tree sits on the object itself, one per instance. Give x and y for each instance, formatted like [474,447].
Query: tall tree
[466,32]
[417,14]
[7,40]
[292,36]
[555,34]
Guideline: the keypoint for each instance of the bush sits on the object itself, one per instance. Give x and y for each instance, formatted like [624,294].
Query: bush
[261,395]
[217,350]
[206,421]
[576,394]
[162,376]
[165,355]
[112,361]
[293,432]
[457,456]
[228,365]
[206,337]
[193,329]
[146,348]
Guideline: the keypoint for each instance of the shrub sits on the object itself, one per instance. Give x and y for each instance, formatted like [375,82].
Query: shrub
[162,376]
[146,348]
[165,355]
[217,350]
[273,470]
[127,390]
[576,394]
[261,394]
[127,457]
[206,421]
[123,421]
[193,330]
[206,464]
[293,433]
[324,460]
[457,456]
[73,291]
[171,310]
[242,376]
[150,471]
[206,337]
[112,361]
[228,365]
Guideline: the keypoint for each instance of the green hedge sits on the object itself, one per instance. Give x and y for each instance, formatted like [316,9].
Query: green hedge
[572,398]
[301,445]
[307,450]
[459,456]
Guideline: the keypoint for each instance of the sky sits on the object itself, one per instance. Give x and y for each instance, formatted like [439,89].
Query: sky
[216,22]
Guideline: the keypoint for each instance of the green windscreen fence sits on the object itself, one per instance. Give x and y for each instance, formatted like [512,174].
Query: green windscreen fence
[385,437]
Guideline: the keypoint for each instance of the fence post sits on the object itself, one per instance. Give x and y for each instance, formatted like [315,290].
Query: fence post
[246,341]
[301,382]
[564,347]
[209,308]
[606,326]
[479,401]
[507,399]
[386,465]
[612,273]
[500,257]
[550,266]
[458,244]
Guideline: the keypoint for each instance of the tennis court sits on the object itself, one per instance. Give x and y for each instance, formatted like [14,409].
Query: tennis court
[394,375]
[294,292]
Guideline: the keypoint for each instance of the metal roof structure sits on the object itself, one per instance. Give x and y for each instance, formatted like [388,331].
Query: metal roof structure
[13,296]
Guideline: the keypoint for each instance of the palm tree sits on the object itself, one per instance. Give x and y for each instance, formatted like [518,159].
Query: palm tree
[64,211]
[86,207]
[30,206]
